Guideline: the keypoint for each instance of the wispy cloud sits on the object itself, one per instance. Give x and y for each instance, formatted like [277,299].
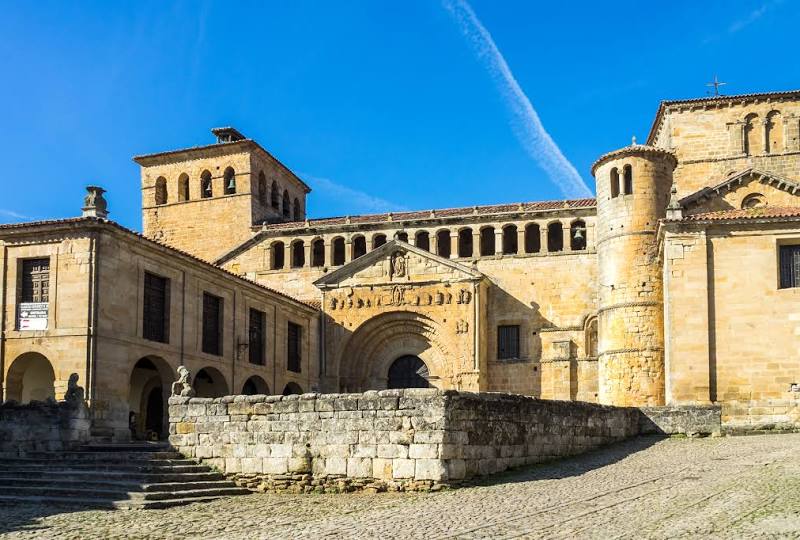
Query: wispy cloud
[752,17]
[525,121]
[352,198]
[13,215]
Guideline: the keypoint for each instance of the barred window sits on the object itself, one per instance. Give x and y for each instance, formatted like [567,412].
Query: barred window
[155,315]
[256,347]
[35,280]
[507,342]
[212,324]
[790,266]
[293,347]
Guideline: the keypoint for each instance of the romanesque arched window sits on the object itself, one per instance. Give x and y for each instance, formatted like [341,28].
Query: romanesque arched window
[752,135]
[533,239]
[161,190]
[627,179]
[402,236]
[359,246]
[206,185]
[183,187]
[754,200]
[275,196]
[614,183]
[318,252]
[555,237]
[338,251]
[591,337]
[487,241]
[422,240]
[277,254]
[774,135]
[510,240]
[287,204]
[443,243]
[298,210]
[262,188]
[229,181]
[378,240]
[465,243]
[298,254]
[577,235]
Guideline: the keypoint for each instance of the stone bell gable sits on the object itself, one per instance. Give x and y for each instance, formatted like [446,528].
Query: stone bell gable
[750,188]
[400,300]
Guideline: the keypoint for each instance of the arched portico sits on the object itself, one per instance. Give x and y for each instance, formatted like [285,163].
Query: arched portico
[372,349]
[150,381]
[210,383]
[30,378]
[255,385]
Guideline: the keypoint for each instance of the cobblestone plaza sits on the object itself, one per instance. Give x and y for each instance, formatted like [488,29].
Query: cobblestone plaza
[731,487]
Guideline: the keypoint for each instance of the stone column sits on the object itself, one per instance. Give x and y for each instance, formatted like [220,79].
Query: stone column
[476,243]
[543,247]
[433,242]
[328,253]
[287,254]
[498,241]
[520,239]
[565,230]
[765,135]
[348,250]
[590,236]
[453,244]
[307,253]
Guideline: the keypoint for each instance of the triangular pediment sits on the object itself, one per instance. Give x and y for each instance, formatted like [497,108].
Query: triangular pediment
[748,188]
[397,262]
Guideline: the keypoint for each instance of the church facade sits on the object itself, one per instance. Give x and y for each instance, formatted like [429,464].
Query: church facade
[679,284]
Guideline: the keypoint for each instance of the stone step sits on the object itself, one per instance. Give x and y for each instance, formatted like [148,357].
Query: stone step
[188,493]
[103,456]
[82,503]
[69,460]
[126,447]
[119,493]
[93,476]
[155,468]
[115,485]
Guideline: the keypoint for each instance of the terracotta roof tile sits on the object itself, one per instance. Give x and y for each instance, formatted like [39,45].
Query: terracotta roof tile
[766,212]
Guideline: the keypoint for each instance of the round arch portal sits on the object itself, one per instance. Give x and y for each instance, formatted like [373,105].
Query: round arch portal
[255,385]
[210,383]
[30,378]
[408,371]
[150,382]
[292,388]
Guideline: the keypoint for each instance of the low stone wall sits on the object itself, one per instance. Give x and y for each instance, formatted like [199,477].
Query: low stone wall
[42,426]
[690,420]
[414,439]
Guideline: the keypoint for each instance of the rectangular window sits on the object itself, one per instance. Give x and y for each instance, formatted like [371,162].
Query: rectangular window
[35,281]
[155,323]
[790,266]
[212,324]
[507,342]
[293,347]
[256,341]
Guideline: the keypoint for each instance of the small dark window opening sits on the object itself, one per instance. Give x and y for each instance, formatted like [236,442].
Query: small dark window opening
[465,243]
[614,183]
[298,254]
[35,280]
[487,241]
[183,187]
[790,266]
[262,188]
[229,179]
[443,244]
[155,313]
[287,211]
[378,240]
[359,247]
[256,337]
[212,324]
[274,196]
[577,235]
[277,255]
[423,240]
[510,240]
[206,185]
[338,251]
[403,237]
[294,333]
[507,342]
[627,179]
[555,237]
[161,190]
[533,239]
[298,210]
[318,252]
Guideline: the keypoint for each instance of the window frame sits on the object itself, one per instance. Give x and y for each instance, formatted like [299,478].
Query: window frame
[294,362]
[261,347]
[205,338]
[792,267]
[163,337]
[514,352]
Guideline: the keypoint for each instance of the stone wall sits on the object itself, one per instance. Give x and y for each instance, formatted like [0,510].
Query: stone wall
[414,439]
[42,426]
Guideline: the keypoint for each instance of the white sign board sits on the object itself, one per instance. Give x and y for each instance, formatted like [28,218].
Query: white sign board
[32,316]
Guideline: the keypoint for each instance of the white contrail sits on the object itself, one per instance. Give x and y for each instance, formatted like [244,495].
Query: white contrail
[358,200]
[526,123]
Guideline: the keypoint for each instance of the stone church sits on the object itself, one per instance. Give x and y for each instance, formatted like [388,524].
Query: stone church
[678,285]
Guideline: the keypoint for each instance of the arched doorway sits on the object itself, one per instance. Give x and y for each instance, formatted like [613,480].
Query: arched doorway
[30,378]
[408,371]
[210,383]
[255,385]
[149,384]
[292,388]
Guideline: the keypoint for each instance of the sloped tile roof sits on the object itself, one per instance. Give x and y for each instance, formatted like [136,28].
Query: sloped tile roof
[765,212]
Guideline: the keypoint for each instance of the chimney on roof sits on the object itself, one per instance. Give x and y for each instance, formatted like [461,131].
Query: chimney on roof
[94,205]
[227,134]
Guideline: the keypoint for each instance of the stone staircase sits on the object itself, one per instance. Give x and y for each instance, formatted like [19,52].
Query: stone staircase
[136,475]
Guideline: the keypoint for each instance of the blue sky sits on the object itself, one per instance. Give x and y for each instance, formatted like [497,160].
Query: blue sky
[378,105]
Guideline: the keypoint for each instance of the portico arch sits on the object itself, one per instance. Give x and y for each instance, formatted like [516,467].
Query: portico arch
[30,378]
[210,383]
[149,389]
[371,350]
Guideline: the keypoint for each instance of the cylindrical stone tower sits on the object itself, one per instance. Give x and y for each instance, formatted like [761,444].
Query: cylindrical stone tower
[633,186]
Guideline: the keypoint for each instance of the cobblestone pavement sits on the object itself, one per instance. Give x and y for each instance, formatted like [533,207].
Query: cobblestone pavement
[739,487]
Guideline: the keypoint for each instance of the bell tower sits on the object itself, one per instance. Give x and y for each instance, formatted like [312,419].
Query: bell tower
[633,186]
[206,200]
